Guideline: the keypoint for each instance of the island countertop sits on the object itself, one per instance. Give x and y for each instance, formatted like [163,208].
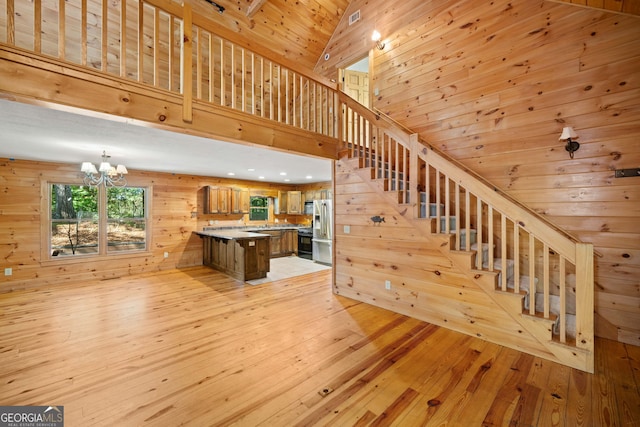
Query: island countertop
[232,234]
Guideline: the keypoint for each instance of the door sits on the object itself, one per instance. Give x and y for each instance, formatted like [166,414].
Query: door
[356,85]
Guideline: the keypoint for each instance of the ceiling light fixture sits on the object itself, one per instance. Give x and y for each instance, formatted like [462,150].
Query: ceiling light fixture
[106,175]
[376,38]
[568,134]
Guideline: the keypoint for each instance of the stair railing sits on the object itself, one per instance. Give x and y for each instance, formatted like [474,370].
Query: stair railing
[530,254]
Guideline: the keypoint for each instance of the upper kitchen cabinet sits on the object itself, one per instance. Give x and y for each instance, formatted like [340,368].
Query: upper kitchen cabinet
[312,195]
[289,202]
[294,202]
[217,200]
[281,205]
[239,200]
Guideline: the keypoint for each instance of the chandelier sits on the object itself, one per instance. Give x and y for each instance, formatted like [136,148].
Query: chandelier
[106,175]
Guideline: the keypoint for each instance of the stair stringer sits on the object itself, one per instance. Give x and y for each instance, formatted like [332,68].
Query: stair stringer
[511,303]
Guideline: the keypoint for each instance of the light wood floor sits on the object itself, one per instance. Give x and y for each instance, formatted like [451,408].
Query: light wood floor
[194,347]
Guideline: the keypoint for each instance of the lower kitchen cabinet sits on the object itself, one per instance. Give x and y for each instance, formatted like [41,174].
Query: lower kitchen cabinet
[242,258]
[282,242]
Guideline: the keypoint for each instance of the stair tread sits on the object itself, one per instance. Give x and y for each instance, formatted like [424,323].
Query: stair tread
[540,316]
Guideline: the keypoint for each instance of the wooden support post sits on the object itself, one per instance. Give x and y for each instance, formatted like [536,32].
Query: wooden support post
[585,300]
[186,67]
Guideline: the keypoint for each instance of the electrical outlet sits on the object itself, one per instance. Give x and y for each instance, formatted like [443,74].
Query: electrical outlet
[387,285]
[347,229]
[166,254]
[8,271]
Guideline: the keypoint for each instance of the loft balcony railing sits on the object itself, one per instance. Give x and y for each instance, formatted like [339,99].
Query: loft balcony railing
[164,45]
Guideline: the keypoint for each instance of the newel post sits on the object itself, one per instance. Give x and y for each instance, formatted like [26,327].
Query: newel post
[414,179]
[585,300]
[186,75]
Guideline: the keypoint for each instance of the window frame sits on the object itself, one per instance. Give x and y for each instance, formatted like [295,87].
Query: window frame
[103,252]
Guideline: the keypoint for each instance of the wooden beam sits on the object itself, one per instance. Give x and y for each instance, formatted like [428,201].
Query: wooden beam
[254,7]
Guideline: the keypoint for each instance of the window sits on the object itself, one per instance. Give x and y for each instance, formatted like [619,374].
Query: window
[96,220]
[259,209]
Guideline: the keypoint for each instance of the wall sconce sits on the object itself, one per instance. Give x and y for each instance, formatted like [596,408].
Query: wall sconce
[217,6]
[569,135]
[376,38]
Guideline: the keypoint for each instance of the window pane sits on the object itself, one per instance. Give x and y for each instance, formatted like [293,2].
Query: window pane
[259,209]
[74,220]
[126,219]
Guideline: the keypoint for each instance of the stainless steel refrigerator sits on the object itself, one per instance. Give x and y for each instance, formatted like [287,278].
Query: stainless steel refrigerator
[322,231]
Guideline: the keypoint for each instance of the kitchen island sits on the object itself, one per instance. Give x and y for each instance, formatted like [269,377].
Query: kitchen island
[240,254]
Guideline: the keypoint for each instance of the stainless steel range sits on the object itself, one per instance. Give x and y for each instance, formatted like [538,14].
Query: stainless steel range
[305,247]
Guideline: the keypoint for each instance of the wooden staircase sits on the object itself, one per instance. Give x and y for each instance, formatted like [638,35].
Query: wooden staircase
[547,285]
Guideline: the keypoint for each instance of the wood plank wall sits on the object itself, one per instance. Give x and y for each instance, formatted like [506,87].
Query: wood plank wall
[493,84]
[177,206]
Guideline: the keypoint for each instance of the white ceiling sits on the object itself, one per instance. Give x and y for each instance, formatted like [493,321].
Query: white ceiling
[31,132]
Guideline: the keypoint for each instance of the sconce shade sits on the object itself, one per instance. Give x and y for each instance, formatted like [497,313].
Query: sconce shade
[568,133]
[375,36]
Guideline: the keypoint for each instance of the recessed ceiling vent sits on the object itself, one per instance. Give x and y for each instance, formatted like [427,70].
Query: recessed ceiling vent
[354,17]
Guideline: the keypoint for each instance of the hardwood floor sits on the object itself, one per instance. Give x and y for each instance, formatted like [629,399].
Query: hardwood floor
[195,347]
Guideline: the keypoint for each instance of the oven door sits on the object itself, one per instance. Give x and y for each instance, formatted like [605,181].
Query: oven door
[305,247]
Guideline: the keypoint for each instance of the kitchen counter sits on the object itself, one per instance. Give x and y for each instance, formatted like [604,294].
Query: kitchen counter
[230,234]
[283,237]
[240,254]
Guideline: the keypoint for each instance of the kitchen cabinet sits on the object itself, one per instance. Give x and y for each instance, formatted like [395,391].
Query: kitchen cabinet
[216,200]
[312,195]
[223,200]
[308,196]
[282,242]
[239,200]
[289,202]
[275,242]
[294,202]
[281,206]
[239,254]
[289,242]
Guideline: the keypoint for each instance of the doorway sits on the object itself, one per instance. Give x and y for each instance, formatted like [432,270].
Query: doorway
[355,81]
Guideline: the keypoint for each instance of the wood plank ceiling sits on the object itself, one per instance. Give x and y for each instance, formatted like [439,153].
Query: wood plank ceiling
[297,31]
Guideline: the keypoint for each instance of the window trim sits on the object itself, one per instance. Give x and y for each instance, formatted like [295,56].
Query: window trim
[103,253]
